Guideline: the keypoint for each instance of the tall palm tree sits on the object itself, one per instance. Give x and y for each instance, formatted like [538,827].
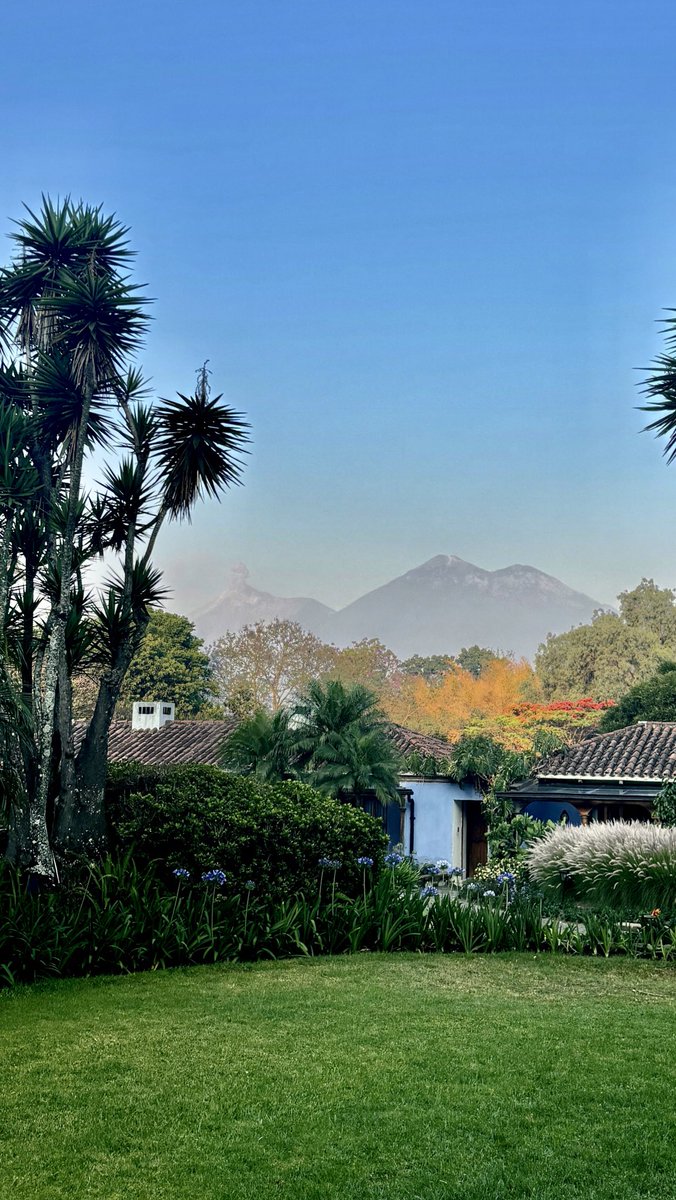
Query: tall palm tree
[355,762]
[70,325]
[263,745]
[343,743]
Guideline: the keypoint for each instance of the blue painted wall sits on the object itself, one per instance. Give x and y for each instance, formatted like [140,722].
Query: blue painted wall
[439,829]
[553,810]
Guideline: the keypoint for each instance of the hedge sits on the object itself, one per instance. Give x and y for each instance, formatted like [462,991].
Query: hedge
[201,817]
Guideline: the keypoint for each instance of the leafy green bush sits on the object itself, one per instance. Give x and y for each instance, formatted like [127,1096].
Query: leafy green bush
[200,817]
[618,863]
[665,805]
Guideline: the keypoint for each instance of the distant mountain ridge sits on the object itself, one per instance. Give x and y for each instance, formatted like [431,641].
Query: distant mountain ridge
[436,608]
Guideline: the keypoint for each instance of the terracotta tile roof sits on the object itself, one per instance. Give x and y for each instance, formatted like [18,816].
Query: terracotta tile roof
[176,742]
[408,741]
[201,742]
[643,751]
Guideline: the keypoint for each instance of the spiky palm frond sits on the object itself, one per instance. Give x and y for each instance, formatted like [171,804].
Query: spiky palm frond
[61,400]
[112,627]
[14,386]
[80,631]
[263,745]
[660,389]
[356,762]
[146,589]
[329,708]
[99,321]
[126,500]
[18,479]
[65,235]
[139,430]
[199,449]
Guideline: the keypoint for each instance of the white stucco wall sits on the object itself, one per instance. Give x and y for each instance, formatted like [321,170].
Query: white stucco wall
[439,820]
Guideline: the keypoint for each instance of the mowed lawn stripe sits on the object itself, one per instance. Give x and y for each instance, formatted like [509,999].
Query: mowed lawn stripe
[403,1077]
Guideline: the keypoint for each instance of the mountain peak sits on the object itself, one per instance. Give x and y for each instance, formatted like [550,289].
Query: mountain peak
[437,607]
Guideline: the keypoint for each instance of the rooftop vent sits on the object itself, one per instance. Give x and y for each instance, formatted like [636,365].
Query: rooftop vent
[151,714]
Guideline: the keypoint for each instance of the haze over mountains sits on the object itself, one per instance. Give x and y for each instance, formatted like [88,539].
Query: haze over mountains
[436,608]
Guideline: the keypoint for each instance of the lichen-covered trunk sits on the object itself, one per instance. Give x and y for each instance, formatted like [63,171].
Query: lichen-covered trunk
[80,824]
[54,667]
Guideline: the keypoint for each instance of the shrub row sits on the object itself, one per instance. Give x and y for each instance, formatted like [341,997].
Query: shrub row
[197,817]
[122,918]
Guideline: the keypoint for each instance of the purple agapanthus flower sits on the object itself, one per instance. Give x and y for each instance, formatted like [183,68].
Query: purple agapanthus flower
[181,873]
[214,876]
[331,864]
[393,859]
[429,890]
[365,861]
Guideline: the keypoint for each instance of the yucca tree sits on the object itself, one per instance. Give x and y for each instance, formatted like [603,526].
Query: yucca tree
[71,323]
[660,389]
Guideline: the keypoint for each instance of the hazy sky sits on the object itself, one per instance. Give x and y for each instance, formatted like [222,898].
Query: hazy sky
[424,246]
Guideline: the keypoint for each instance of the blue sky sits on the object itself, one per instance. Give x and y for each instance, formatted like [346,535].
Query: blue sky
[425,247]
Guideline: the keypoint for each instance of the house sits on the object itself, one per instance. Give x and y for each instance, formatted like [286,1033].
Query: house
[444,819]
[438,817]
[609,776]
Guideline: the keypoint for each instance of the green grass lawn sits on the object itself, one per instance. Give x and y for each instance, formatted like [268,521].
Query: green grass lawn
[402,1077]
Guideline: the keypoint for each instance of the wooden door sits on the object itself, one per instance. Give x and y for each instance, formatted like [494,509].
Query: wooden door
[475,833]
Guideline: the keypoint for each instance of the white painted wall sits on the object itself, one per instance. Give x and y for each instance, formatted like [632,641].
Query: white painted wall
[439,821]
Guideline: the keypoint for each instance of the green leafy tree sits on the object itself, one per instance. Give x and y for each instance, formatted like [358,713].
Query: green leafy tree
[170,664]
[601,660]
[650,607]
[431,667]
[367,663]
[266,665]
[70,323]
[475,658]
[652,700]
[665,805]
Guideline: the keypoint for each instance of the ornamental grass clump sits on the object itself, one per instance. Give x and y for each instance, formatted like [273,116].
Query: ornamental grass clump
[622,864]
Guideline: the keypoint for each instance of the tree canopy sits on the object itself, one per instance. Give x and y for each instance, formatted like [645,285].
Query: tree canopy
[615,651]
[333,737]
[652,700]
[171,664]
[267,664]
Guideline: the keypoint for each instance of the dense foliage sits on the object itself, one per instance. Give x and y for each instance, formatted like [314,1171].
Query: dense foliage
[121,918]
[334,737]
[615,652]
[198,817]
[171,664]
[664,809]
[653,700]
